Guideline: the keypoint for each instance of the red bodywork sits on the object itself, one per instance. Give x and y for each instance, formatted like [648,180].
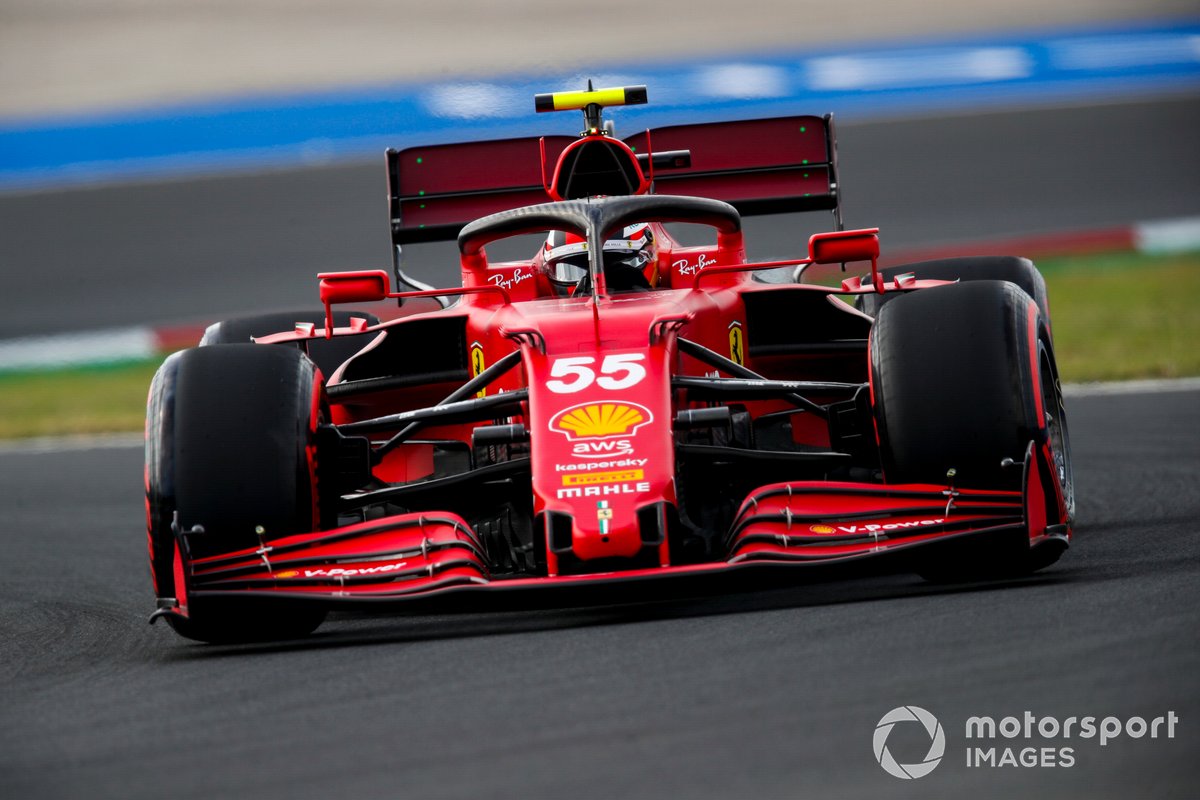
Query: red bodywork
[600,391]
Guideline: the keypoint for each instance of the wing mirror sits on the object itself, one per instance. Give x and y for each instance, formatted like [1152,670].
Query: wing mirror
[373,285]
[839,247]
[360,286]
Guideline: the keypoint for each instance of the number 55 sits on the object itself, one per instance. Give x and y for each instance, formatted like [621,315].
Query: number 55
[617,371]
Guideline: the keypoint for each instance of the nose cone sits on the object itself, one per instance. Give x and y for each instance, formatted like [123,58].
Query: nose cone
[602,451]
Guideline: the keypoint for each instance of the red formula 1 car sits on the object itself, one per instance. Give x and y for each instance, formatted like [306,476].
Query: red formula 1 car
[617,408]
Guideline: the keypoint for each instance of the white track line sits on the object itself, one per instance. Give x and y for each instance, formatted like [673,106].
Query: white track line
[1132,387]
[1167,235]
[78,348]
[71,444]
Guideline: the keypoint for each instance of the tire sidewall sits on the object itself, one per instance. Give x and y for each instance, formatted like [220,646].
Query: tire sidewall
[955,383]
[231,431]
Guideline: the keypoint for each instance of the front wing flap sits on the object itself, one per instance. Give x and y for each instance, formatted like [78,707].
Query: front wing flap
[415,555]
[395,555]
[811,521]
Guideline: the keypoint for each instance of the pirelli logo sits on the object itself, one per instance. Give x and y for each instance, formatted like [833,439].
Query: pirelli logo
[592,478]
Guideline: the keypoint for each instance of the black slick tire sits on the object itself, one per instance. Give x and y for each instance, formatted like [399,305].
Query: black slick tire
[230,430]
[963,379]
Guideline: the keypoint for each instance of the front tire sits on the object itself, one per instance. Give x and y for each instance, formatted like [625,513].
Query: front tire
[963,378]
[229,447]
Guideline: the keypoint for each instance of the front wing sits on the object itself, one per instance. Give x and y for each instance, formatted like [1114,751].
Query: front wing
[418,555]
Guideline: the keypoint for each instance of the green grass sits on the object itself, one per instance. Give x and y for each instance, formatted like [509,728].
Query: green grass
[1116,316]
[1123,316]
[84,400]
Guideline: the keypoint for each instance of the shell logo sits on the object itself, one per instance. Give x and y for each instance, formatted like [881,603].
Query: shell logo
[822,529]
[600,420]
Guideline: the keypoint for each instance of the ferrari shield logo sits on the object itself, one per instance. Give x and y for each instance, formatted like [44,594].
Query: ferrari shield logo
[737,344]
[477,364]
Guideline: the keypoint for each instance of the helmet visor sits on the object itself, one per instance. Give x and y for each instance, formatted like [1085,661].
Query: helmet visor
[569,270]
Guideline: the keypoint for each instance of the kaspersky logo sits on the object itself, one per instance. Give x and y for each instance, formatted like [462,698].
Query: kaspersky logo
[600,420]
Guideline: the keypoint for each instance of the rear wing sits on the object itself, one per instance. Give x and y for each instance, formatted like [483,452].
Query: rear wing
[434,191]
[760,166]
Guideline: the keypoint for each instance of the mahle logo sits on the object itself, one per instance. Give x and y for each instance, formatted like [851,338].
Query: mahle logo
[937,742]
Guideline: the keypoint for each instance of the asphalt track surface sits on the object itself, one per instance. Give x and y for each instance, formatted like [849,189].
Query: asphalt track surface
[206,249]
[764,692]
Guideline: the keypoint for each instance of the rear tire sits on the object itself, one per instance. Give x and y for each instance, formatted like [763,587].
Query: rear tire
[328,354]
[963,378]
[229,444]
[1013,269]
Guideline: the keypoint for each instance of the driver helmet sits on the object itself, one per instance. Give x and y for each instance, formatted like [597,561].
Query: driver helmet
[630,261]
